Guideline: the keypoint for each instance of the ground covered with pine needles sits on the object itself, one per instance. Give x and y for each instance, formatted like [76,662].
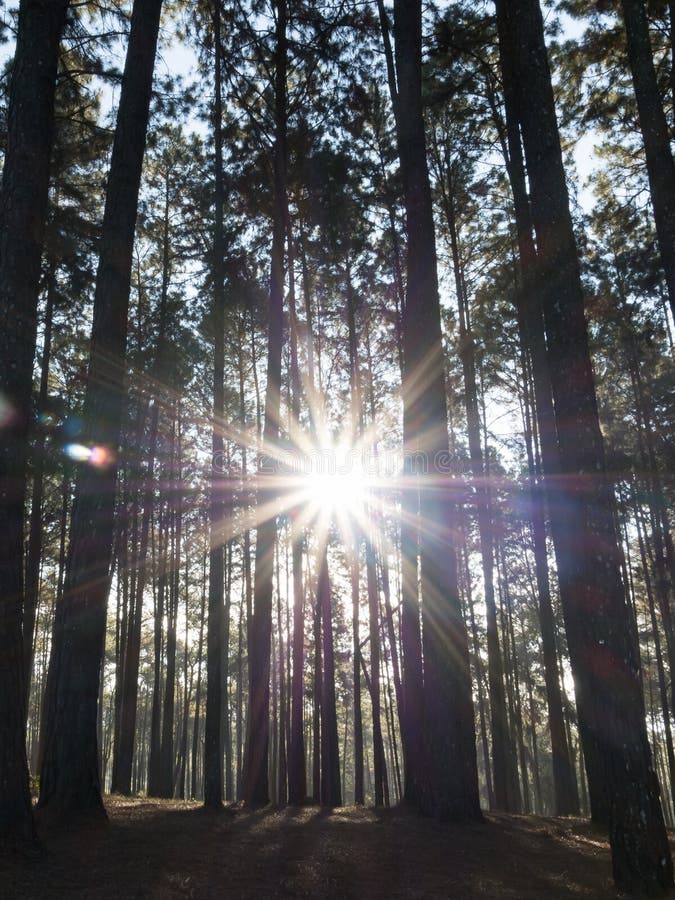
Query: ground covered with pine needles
[169,850]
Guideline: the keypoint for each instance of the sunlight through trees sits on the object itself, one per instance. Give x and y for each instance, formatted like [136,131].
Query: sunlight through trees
[336,432]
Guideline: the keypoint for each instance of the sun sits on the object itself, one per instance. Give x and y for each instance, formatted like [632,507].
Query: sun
[335,485]
[339,488]
[331,482]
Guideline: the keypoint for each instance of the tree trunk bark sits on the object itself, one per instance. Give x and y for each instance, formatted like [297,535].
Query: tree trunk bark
[603,652]
[213,723]
[70,778]
[23,210]
[34,554]
[445,780]
[331,794]
[355,547]
[166,779]
[655,136]
[256,781]
[297,776]
[531,332]
[501,759]
[159,592]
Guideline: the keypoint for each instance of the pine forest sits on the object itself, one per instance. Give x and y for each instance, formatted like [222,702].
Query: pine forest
[337,448]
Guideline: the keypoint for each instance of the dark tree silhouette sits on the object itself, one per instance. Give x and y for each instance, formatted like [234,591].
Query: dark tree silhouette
[213,725]
[598,619]
[256,783]
[69,778]
[23,208]
[655,135]
[443,759]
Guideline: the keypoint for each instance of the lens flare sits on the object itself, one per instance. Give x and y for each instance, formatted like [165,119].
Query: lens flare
[77,452]
[99,457]
[335,481]
[6,411]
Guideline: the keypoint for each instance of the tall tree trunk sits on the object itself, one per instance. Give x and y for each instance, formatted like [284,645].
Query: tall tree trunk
[282,778]
[227,727]
[531,331]
[317,694]
[246,599]
[478,663]
[510,638]
[213,724]
[187,692]
[160,603]
[125,516]
[661,540]
[297,776]
[70,779]
[564,780]
[356,669]
[600,636]
[198,692]
[166,779]
[501,759]
[655,136]
[256,782]
[670,754]
[446,780]
[354,562]
[331,794]
[35,534]
[23,209]
[379,764]
[124,748]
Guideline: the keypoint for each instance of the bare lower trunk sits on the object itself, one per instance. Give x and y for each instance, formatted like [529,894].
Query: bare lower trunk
[445,780]
[655,135]
[70,778]
[256,781]
[598,620]
[23,208]
[331,794]
[213,723]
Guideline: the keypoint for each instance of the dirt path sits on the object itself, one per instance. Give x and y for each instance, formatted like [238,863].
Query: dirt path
[169,850]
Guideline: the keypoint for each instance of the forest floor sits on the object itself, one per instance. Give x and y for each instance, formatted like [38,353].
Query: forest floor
[172,850]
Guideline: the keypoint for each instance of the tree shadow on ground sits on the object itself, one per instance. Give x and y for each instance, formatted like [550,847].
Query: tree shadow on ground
[172,849]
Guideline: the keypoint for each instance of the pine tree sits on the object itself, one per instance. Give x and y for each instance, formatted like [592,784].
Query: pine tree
[256,786]
[605,659]
[443,760]
[69,779]
[655,134]
[23,209]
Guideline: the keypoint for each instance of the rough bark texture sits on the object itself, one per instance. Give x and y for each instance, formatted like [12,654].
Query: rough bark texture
[600,635]
[124,747]
[379,764]
[445,775]
[35,531]
[331,794]
[655,136]
[70,778]
[125,733]
[354,562]
[256,782]
[23,208]
[504,776]
[297,772]
[213,723]
[531,332]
